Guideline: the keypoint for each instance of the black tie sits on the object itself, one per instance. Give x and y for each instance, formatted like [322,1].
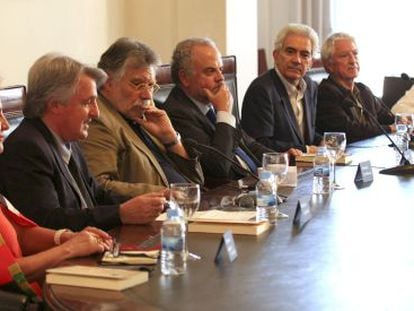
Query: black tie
[74,170]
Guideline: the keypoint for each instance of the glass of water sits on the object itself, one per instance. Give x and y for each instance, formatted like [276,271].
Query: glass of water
[187,197]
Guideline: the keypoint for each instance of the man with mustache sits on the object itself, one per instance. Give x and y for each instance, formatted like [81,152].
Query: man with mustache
[132,147]
[200,107]
[42,170]
[279,107]
[343,104]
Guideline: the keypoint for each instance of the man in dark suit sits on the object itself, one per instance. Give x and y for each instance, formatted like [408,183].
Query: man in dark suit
[42,170]
[279,107]
[200,108]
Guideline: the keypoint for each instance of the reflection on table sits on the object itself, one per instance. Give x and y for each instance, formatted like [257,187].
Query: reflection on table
[356,253]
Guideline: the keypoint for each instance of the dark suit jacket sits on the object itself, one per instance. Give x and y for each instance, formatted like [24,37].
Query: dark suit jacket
[192,123]
[267,114]
[34,177]
[337,111]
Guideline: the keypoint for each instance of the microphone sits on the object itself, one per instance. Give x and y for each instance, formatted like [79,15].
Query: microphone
[405,167]
[196,145]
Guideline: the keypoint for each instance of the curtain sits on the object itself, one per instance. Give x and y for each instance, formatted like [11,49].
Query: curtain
[315,13]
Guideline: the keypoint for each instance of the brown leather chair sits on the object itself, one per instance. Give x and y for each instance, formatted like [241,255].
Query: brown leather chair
[12,98]
[163,77]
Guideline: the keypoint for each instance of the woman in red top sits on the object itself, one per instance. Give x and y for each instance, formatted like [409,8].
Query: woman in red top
[27,250]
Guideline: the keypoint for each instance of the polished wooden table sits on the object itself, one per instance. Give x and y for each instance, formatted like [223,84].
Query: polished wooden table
[356,253]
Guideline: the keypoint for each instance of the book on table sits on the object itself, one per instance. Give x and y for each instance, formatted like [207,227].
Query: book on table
[309,157]
[96,277]
[216,221]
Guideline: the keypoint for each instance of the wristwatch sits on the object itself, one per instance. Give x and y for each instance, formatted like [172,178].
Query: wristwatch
[174,142]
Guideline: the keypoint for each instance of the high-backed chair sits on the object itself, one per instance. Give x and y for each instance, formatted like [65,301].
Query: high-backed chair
[12,98]
[394,88]
[163,76]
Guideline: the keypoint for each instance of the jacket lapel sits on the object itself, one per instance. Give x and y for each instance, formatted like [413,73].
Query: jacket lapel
[287,107]
[42,128]
[132,136]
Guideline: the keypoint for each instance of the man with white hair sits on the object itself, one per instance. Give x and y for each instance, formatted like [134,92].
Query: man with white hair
[279,108]
[343,104]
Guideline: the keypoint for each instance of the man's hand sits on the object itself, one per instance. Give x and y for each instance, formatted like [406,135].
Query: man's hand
[157,123]
[222,99]
[294,152]
[142,209]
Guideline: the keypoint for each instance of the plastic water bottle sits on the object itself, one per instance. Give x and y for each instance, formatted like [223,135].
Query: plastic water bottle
[266,204]
[321,172]
[173,241]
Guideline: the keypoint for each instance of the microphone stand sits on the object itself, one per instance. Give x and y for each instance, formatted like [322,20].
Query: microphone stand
[405,167]
[198,145]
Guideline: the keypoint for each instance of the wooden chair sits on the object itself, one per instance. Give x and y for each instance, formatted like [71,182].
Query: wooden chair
[12,98]
[163,77]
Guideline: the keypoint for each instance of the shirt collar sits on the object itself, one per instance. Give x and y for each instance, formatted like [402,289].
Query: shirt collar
[203,107]
[291,88]
[64,149]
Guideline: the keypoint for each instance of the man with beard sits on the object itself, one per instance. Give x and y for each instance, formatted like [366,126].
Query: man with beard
[200,107]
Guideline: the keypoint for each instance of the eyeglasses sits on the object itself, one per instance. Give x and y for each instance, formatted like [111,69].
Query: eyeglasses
[144,86]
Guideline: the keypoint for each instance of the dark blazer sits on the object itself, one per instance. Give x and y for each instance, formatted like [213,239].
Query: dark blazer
[192,123]
[267,114]
[34,177]
[337,111]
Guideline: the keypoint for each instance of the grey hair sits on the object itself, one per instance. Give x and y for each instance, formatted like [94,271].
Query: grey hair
[298,29]
[127,52]
[182,56]
[328,45]
[55,77]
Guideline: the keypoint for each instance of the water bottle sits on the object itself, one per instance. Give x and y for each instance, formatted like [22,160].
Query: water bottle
[321,172]
[266,204]
[173,243]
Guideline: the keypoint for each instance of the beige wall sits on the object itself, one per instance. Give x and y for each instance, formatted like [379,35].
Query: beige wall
[31,28]
[83,29]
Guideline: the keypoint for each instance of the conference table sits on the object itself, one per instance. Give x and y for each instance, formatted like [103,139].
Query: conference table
[356,252]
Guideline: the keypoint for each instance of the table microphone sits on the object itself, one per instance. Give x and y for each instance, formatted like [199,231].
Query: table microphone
[406,168]
[196,145]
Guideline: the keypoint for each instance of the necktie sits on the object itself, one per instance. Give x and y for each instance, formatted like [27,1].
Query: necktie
[211,115]
[172,174]
[73,168]
[241,154]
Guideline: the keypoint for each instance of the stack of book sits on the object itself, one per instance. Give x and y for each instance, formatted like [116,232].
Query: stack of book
[216,221]
[96,277]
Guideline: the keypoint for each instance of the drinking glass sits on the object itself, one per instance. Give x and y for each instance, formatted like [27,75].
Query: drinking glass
[335,143]
[404,129]
[187,197]
[407,120]
[277,163]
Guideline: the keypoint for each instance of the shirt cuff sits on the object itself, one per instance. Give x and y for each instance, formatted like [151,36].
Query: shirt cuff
[226,117]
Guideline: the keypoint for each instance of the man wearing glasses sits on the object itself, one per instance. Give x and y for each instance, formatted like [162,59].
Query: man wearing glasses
[132,147]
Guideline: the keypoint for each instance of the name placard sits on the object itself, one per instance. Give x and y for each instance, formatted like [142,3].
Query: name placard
[364,176]
[302,213]
[226,245]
